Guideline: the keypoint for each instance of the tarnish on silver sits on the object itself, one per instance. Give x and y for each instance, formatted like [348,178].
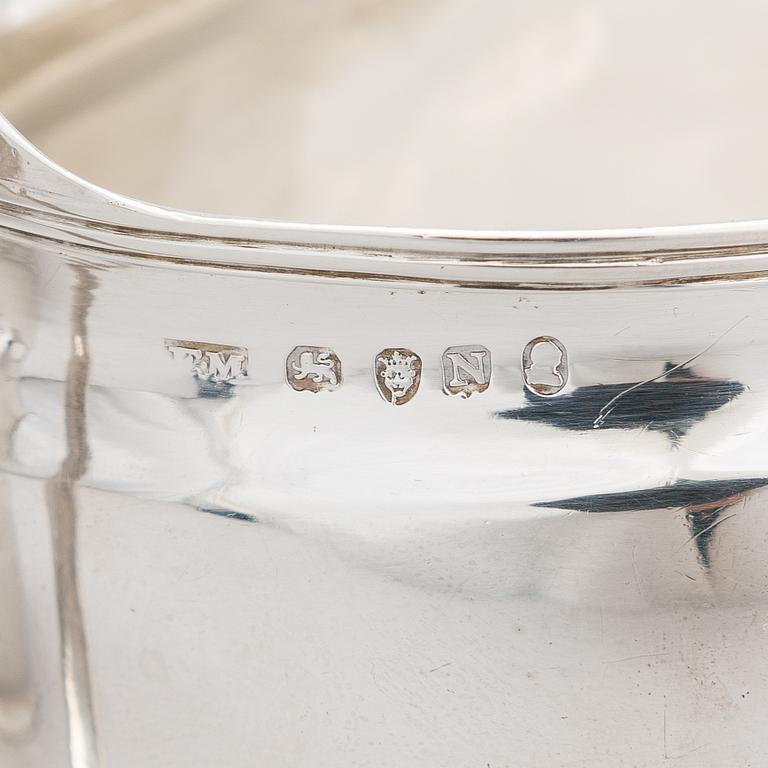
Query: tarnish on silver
[313,369]
[545,366]
[398,374]
[466,370]
[217,363]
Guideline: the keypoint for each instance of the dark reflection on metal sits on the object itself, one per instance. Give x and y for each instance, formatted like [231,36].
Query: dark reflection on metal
[215,389]
[702,524]
[672,405]
[63,516]
[683,493]
[707,504]
[230,514]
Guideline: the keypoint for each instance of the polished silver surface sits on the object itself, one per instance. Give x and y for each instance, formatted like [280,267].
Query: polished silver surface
[220,544]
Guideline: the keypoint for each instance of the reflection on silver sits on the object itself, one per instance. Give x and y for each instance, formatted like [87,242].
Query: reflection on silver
[61,495]
[17,695]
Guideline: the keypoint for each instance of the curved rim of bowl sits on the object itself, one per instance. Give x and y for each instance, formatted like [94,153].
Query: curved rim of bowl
[45,201]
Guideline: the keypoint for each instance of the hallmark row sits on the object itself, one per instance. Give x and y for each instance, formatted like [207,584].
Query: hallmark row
[466,369]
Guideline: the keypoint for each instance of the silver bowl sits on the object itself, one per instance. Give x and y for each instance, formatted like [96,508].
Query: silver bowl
[473,475]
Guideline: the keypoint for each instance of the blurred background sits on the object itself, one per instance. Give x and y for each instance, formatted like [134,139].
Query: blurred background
[16,12]
[505,114]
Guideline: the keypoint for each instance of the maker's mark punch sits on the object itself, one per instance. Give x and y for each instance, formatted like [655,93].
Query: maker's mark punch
[217,363]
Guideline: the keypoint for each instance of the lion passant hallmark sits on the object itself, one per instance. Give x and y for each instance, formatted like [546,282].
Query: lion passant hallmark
[313,369]
[465,369]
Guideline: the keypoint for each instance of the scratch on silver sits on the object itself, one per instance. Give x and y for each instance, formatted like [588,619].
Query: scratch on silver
[605,411]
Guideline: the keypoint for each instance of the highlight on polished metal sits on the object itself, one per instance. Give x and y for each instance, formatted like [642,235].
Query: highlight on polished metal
[313,369]
[539,227]
[398,374]
[545,366]
[217,363]
[466,370]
